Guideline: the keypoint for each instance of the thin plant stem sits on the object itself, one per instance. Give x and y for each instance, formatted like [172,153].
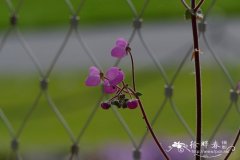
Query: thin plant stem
[199,5]
[233,146]
[133,69]
[128,49]
[153,122]
[149,125]
[198,82]
[120,91]
[195,9]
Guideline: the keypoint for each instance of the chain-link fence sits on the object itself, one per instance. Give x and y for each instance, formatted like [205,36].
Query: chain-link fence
[163,101]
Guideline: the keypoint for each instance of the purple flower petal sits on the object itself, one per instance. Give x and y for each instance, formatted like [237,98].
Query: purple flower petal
[93,78]
[121,42]
[118,52]
[115,75]
[94,71]
[108,88]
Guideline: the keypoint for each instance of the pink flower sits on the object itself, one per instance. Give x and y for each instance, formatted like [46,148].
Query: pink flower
[119,50]
[94,77]
[108,88]
[114,76]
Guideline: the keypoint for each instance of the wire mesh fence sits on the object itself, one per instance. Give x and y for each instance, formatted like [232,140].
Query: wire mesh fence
[165,97]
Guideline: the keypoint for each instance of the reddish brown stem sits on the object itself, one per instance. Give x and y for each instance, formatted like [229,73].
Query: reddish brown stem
[149,125]
[198,83]
[234,145]
[119,92]
[133,69]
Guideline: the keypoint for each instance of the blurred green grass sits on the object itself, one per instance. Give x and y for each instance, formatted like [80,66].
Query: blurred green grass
[54,13]
[75,101]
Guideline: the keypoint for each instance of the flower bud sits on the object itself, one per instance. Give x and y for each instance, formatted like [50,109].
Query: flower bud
[105,105]
[132,104]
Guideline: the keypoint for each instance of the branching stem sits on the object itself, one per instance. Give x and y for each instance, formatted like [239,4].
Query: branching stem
[197,79]
[133,69]
[233,146]
[149,125]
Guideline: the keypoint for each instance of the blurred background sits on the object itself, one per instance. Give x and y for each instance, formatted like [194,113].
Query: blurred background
[46,48]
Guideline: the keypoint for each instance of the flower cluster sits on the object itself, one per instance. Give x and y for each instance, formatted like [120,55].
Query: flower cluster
[113,77]
[123,95]
[113,81]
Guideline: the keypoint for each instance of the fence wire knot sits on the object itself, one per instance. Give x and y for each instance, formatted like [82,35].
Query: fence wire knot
[13,20]
[74,20]
[44,84]
[168,91]
[202,26]
[136,155]
[74,149]
[14,144]
[137,23]
[233,96]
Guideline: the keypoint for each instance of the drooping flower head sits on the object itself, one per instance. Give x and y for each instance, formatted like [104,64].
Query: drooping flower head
[108,88]
[94,77]
[120,49]
[113,77]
